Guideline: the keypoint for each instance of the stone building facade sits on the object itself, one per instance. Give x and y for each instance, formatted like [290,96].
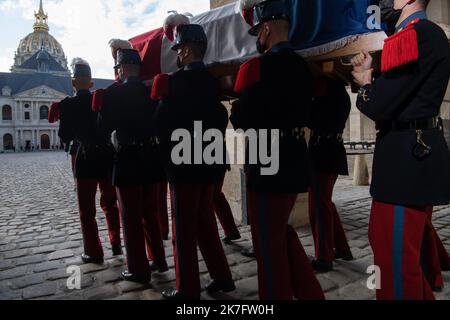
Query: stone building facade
[38,77]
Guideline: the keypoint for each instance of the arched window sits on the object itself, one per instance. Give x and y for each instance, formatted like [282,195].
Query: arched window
[43,112]
[8,142]
[7,113]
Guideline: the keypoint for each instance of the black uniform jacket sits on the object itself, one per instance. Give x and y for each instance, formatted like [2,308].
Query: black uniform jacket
[128,110]
[329,116]
[78,123]
[276,93]
[412,91]
[188,95]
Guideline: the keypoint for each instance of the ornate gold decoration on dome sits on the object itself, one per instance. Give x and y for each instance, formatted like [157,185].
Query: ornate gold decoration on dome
[41,19]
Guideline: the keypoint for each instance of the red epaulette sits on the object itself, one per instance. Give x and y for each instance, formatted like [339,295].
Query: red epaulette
[160,88]
[98,99]
[54,114]
[249,74]
[401,48]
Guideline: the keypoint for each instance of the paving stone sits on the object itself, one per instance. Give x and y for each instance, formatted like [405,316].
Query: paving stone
[13,273]
[44,249]
[246,270]
[108,276]
[15,253]
[150,294]
[48,265]
[40,290]
[326,284]
[101,293]
[29,260]
[356,291]
[69,245]
[6,264]
[91,267]
[29,280]
[127,286]
[247,287]
[57,255]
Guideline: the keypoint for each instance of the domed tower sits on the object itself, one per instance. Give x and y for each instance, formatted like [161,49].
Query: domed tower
[39,39]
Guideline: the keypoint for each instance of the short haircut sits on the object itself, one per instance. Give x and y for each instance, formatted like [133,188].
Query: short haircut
[424,3]
[198,49]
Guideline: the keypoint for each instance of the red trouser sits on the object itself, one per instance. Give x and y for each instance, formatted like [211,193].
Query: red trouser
[434,254]
[193,223]
[223,211]
[86,191]
[396,234]
[284,271]
[326,225]
[162,209]
[141,224]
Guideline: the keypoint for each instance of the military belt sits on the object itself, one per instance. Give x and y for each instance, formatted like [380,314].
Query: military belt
[140,144]
[418,124]
[296,133]
[326,136]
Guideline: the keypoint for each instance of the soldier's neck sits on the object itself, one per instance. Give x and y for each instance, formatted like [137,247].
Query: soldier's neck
[408,11]
[276,39]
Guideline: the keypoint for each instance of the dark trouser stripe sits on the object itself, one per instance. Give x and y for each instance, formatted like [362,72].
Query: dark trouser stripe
[176,215]
[124,213]
[264,234]
[319,212]
[397,251]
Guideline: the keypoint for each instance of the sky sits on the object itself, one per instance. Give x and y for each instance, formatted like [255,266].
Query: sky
[84,27]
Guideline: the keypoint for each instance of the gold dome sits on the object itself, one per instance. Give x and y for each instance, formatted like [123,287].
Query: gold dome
[39,39]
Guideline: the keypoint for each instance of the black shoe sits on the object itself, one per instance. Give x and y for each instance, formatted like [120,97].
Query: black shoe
[174,295]
[230,239]
[437,289]
[249,253]
[160,267]
[117,250]
[224,286]
[321,266]
[89,259]
[344,255]
[127,276]
[445,266]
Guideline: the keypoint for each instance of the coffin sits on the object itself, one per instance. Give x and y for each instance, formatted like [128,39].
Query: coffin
[327,33]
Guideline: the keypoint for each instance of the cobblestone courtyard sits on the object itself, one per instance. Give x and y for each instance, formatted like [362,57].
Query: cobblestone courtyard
[40,237]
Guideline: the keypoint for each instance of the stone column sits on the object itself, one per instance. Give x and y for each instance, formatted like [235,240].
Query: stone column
[16,140]
[439,11]
[51,139]
[356,121]
[33,139]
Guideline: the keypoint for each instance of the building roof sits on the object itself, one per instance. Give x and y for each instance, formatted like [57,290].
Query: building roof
[19,82]
[33,62]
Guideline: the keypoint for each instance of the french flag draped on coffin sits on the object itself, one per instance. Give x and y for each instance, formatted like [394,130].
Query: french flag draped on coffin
[318,26]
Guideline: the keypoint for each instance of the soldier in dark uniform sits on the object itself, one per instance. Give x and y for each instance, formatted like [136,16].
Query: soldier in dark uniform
[411,170]
[128,110]
[92,163]
[275,93]
[192,94]
[330,111]
[434,255]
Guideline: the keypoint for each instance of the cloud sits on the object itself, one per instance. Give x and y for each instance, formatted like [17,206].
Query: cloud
[84,27]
